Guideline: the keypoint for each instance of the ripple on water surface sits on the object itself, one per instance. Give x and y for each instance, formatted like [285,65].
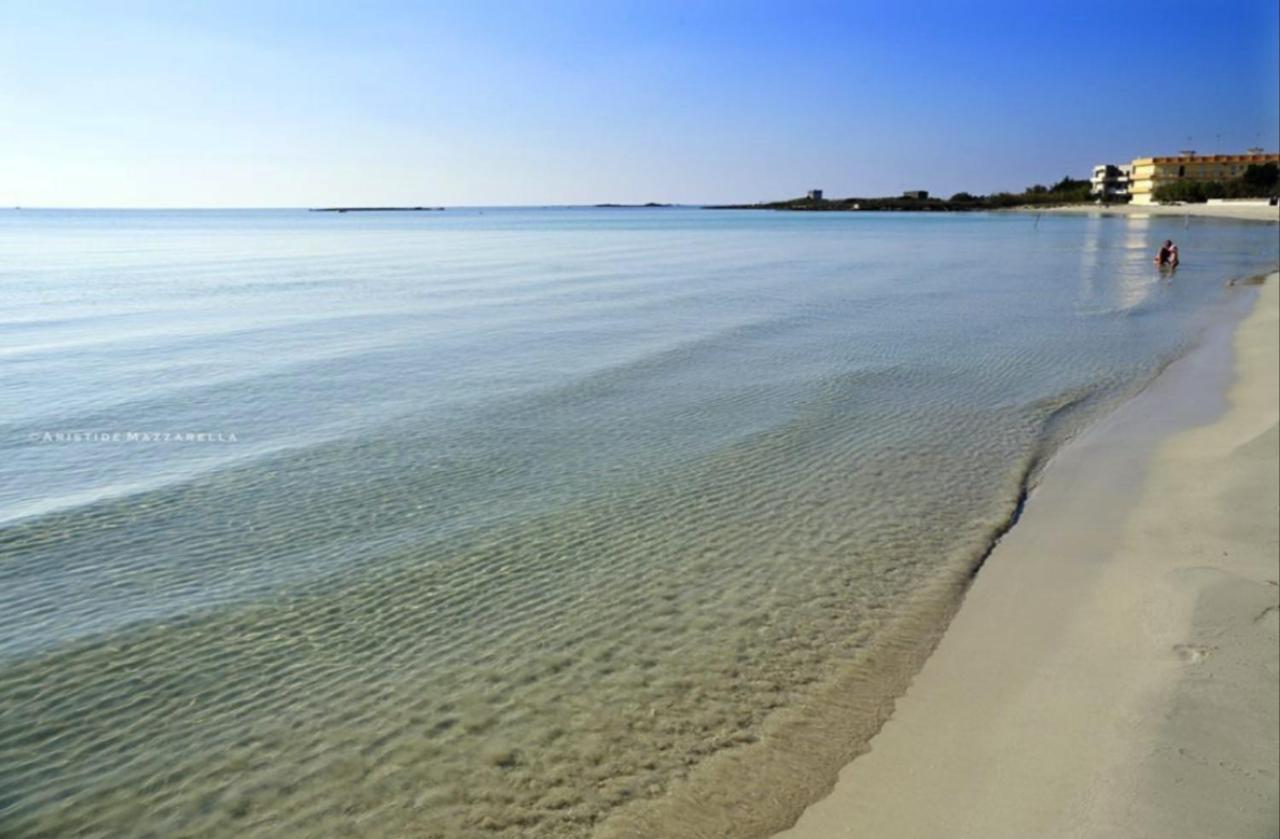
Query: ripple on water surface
[657,572]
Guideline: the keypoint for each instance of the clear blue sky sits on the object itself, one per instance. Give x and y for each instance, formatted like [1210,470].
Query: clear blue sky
[305,103]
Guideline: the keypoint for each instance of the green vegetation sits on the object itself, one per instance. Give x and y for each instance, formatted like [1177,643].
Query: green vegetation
[1065,191]
[1258,181]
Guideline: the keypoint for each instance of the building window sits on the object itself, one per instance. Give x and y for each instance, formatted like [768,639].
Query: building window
[1182,170]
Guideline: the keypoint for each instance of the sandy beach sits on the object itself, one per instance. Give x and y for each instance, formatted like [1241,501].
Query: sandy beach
[1113,670]
[1241,212]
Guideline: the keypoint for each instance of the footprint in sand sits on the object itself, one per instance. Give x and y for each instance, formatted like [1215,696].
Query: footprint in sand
[1192,653]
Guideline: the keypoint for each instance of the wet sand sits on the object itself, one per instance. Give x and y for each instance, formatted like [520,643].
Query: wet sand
[1113,670]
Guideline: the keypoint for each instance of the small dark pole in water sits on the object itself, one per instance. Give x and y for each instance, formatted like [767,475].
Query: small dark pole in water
[1037,224]
[1186,221]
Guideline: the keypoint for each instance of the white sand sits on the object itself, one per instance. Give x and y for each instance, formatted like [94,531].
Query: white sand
[1247,212]
[1113,671]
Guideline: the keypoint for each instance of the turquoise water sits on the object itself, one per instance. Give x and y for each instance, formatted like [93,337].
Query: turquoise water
[520,522]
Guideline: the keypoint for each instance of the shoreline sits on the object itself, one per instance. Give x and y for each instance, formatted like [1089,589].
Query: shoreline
[1237,212]
[1118,679]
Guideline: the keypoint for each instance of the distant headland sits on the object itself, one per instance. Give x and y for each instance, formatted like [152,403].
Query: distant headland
[1065,191]
[375,209]
[632,206]
[1187,178]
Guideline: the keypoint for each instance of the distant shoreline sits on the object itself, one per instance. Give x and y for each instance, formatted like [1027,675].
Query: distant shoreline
[1242,212]
[855,205]
[375,209]
[649,204]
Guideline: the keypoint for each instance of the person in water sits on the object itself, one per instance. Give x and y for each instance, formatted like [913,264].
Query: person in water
[1168,255]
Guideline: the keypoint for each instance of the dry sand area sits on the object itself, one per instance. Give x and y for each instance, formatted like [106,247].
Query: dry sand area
[1113,670]
[1244,212]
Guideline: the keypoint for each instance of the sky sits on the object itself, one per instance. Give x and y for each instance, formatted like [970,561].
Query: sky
[283,104]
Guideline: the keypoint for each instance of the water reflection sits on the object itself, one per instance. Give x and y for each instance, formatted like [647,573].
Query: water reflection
[1090,249]
[1117,284]
[1134,282]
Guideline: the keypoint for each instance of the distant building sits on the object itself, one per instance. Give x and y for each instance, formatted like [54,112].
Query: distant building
[1110,181]
[1150,172]
[916,193]
[815,195]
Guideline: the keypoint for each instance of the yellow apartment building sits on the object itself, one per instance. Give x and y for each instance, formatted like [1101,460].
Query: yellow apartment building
[1150,172]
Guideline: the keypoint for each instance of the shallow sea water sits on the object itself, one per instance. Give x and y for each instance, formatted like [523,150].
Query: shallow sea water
[521,522]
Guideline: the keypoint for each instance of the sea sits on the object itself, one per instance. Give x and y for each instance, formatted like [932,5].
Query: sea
[508,522]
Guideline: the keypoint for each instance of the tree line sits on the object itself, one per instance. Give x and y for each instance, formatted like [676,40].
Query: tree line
[1257,181]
